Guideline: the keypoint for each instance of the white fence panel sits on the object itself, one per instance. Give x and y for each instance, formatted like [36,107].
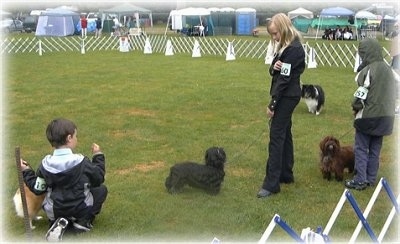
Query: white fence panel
[337,54]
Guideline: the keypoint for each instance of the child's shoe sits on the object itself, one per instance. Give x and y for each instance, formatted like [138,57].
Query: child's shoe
[82,225]
[56,231]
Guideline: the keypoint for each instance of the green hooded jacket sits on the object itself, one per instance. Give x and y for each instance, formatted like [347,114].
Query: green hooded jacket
[375,113]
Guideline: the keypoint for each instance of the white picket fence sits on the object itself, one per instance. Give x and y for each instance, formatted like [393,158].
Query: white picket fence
[337,54]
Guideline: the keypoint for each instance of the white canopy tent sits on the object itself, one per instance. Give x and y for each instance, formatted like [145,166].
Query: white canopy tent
[368,19]
[127,9]
[175,16]
[300,12]
[364,14]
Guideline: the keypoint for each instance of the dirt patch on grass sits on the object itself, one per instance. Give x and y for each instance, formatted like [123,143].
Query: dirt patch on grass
[141,167]
[145,167]
[141,112]
[241,172]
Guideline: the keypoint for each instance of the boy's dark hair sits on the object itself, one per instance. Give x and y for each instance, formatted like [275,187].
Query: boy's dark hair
[58,130]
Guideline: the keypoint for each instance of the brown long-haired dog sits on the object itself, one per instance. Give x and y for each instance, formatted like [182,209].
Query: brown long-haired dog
[335,158]
[33,202]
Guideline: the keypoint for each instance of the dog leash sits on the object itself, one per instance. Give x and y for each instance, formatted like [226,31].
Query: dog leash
[253,142]
[28,229]
[341,137]
[238,155]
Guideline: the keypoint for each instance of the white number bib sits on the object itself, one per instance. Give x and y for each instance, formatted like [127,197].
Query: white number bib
[40,184]
[361,93]
[285,70]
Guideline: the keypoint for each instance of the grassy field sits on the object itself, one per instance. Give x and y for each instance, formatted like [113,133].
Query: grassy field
[148,112]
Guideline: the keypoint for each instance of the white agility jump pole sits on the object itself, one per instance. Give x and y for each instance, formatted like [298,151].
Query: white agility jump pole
[269,230]
[335,213]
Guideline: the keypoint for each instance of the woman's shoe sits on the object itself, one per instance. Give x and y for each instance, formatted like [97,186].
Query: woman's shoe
[264,193]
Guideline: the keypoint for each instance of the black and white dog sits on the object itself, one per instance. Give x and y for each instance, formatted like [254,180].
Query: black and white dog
[314,97]
[208,176]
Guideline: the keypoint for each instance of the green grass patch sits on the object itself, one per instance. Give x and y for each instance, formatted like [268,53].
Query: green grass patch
[148,112]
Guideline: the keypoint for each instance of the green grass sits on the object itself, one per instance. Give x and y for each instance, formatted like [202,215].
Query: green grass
[149,111]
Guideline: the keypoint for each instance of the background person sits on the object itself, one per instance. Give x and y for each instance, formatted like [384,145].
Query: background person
[98,27]
[84,23]
[287,66]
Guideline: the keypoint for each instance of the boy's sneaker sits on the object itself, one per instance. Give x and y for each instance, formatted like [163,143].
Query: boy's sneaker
[56,231]
[352,184]
[82,225]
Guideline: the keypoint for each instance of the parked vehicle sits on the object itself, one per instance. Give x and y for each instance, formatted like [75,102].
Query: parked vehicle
[30,24]
[11,25]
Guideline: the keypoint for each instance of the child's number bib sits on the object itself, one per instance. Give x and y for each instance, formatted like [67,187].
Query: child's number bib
[361,93]
[40,184]
[285,70]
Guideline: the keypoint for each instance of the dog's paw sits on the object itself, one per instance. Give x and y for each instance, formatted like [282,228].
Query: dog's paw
[31,225]
[38,217]
[339,178]
[174,191]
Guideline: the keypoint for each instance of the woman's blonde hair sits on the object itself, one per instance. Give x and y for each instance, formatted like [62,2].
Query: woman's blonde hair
[286,30]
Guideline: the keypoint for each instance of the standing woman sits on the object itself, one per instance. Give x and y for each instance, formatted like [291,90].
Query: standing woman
[287,66]
[84,23]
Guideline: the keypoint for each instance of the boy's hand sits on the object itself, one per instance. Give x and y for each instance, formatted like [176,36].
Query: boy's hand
[95,148]
[24,165]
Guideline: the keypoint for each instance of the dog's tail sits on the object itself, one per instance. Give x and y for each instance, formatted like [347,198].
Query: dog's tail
[18,204]
[321,95]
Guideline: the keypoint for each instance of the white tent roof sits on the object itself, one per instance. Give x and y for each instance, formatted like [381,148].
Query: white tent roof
[129,10]
[4,13]
[300,12]
[191,12]
[245,10]
[37,12]
[58,12]
[386,17]
[214,9]
[336,11]
[125,9]
[227,9]
[363,14]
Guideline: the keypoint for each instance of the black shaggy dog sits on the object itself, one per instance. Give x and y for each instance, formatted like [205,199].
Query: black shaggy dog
[208,177]
[314,97]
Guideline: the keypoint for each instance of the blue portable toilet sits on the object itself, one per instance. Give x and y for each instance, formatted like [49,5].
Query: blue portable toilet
[245,21]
